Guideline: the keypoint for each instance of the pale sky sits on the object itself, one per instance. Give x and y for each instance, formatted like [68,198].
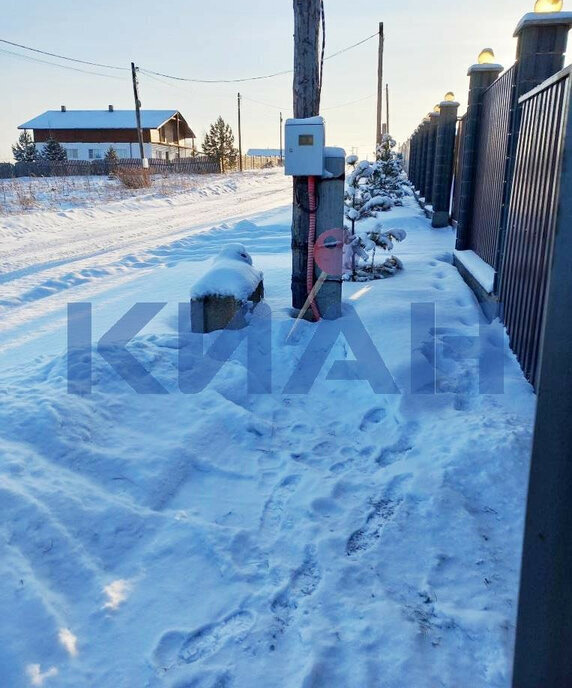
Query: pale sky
[429,46]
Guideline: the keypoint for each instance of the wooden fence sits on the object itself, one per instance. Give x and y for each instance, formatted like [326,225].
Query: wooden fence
[67,168]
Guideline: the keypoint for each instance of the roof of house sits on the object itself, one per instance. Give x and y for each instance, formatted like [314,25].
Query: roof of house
[102,119]
[264,153]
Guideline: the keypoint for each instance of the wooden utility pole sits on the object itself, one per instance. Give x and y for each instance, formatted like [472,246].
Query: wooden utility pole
[239,135]
[387,106]
[138,111]
[380,85]
[306,91]
[281,145]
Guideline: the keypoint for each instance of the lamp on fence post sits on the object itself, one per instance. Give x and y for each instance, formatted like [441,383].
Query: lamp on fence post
[481,76]
[444,160]
[431,143]
[542,41]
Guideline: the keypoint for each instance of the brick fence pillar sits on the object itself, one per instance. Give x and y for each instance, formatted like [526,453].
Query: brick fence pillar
[444,162]
[481,77]
[432,142]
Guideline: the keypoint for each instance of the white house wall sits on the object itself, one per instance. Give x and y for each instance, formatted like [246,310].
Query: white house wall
[81,151]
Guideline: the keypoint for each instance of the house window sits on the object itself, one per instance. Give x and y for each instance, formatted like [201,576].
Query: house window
[95,154]
[72,153]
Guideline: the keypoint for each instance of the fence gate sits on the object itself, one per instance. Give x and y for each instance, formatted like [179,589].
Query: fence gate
[532,216]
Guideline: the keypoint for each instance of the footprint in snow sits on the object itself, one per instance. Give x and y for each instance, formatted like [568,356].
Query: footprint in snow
[303,583]
[176,648]
[384,510]
[274,506]
[372,417]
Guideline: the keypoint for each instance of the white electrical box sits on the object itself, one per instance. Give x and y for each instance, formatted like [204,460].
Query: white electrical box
[305,141]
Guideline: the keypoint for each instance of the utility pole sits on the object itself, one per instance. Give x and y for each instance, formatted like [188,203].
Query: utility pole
[138,114]
[387,106]
[379,131]
[306,91]
[281,146]
[239,135]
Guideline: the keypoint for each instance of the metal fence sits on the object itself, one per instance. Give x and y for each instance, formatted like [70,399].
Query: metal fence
[459,150]
[532,217]
[491,172]
[67,168]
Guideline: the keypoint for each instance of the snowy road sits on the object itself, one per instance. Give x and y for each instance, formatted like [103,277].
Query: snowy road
[334,539]
[46,253]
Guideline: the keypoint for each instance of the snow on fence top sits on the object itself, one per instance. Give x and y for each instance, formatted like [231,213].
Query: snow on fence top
[231,274]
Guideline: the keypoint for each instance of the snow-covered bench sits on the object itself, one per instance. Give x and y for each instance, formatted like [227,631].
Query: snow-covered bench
[226,293]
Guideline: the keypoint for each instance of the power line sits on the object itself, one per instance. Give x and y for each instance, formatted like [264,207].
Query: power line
[62,57]
[150,72]
[29,58]
[351,102]
[252,78]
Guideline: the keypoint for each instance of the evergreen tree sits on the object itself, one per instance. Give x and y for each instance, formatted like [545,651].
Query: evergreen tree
[219,144]
[111,155]
[53,150]
[378,186]
[25,149]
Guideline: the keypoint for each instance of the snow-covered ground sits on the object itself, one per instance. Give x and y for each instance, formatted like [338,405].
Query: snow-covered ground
[331,539]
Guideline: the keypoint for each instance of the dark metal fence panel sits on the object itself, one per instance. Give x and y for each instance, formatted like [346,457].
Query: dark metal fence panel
[459,149]
[532,217]
[491,167]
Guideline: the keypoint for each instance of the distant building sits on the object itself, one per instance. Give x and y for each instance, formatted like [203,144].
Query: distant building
[270,153]
[88,134]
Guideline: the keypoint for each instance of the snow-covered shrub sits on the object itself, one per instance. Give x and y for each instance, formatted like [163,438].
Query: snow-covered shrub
[375,186]
[360,253]
[371,188]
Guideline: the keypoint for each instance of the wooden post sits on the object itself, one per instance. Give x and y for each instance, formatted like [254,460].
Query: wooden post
[138,112]
[379,132]
[306,91]
[239,135]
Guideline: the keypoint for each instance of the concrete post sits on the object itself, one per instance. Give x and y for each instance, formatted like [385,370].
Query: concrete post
[432,142]
[481,77]
[543,655]
[444,161]
[330,215]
